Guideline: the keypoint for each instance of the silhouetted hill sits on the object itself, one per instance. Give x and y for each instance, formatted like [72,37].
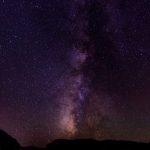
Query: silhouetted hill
[97,145]
[9,143]
[31,148]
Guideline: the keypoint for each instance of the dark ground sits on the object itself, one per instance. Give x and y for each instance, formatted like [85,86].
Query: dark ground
[9,143]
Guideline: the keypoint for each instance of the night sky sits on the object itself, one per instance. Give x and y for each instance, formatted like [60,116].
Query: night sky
[75,69]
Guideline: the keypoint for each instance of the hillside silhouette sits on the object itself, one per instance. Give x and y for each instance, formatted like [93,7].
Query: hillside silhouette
[9,143]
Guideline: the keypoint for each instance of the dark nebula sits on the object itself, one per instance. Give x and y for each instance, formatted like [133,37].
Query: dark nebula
[75,69]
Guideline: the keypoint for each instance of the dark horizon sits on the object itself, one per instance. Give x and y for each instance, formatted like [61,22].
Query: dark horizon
[71,143]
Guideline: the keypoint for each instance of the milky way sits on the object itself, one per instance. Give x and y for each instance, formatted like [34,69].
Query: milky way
[77,91]
[77,114]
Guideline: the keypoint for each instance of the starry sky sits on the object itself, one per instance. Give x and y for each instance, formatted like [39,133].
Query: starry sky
[75,69]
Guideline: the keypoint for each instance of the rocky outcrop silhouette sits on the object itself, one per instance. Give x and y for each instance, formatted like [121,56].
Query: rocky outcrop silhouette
[9,143]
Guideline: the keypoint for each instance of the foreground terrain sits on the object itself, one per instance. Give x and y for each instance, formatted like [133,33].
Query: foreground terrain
[9,143]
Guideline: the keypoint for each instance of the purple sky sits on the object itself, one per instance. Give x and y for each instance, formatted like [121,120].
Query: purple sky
[71,69]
